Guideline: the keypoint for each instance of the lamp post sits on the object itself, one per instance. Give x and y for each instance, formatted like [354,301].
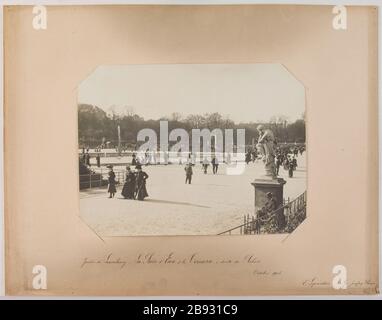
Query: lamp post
[119,140]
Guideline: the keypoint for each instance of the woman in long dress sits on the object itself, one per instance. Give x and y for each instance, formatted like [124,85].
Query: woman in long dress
[111,187]
[129,186]
[140,178]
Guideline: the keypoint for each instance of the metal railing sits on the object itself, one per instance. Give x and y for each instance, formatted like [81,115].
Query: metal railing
[99,178]
[294,212]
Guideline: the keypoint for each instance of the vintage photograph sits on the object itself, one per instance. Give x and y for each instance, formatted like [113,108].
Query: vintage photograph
[192,149]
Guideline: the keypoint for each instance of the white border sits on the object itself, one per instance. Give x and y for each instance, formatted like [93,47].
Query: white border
[183,2]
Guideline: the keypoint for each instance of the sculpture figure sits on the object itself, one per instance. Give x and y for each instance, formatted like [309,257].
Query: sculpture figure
[266,148]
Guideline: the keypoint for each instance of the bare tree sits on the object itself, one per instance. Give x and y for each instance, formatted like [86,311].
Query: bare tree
[195,121]
[117,112]
[176,116]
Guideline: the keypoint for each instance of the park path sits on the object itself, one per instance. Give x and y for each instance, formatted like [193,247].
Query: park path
[211,204]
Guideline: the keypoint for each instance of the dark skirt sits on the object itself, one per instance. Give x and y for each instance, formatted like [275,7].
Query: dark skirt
[128,190]
[142,192]
[111,188]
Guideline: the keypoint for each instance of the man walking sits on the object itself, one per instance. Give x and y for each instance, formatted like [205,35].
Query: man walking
[215,165]
[98,158]
[206,163]
[189,172]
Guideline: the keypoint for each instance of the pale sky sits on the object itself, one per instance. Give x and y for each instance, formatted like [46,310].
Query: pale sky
[244,92]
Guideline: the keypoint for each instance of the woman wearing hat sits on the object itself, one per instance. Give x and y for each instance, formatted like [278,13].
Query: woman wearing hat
[128,187]
[140,183]
[111,187]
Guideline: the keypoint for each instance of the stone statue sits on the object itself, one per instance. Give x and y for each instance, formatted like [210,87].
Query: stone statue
[266,148]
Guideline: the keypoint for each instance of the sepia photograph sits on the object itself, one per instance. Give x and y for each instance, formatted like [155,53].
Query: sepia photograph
[192,149]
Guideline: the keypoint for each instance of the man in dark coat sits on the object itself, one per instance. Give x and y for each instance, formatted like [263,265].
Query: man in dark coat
[87,159]
[248,157]
[98,158]
[205,165]
[290,168]
[215,165]
[129,186]
[294,161]
[140,183]
[189,172]
[134,159]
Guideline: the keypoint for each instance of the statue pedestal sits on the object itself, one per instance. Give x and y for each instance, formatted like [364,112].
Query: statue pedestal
[265,185]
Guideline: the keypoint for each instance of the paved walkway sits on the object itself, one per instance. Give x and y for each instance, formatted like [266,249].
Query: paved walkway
[211,204]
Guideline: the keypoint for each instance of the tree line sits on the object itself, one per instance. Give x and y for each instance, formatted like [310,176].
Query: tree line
[95,126]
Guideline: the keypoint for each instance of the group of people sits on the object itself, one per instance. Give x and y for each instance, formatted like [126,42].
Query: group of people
[134,186]
[250,156]
[214,163]
[135,182]
[287,158]
[149,158]
[85,159]
[205,164]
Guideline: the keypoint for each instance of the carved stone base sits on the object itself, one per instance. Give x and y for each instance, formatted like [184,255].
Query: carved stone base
[263,186]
